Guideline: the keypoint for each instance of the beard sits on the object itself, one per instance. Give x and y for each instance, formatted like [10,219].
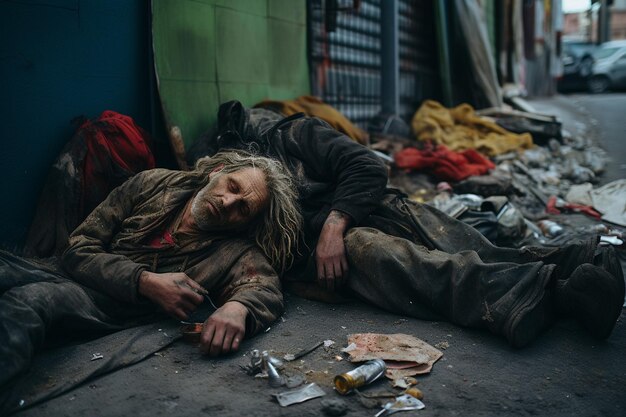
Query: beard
[204,218]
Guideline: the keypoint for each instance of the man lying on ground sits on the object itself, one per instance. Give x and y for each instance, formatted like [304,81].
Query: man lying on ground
[161,242]
[411,258]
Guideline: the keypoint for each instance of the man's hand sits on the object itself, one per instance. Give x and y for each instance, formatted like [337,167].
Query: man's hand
[330,253]
[176,293]
[224,330]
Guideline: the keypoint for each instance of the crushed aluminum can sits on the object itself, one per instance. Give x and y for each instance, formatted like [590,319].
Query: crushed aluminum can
[363,375]
[308,392]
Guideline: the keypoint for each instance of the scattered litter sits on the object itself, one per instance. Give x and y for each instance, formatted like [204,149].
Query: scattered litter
[363,375]
[292,357]
[442,345]
[21,403]
[344,327]
[338,358]
[611,240]
[404,354]
[294,381]
[96,356]
[255,366]
[402,403]
[328,343]
[334,407]
[268,329]
[404,382]
[349,348]
[305,393]
[415,392]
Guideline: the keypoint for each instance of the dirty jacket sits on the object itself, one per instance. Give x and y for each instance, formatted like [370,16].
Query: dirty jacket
[110,249]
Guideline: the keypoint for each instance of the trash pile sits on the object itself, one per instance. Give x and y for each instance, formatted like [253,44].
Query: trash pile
[515,176]
[398,357]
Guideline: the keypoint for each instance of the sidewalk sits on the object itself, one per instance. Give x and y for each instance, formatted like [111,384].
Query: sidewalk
[564,373]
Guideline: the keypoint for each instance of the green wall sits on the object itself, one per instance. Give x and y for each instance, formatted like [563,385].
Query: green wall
[211,51]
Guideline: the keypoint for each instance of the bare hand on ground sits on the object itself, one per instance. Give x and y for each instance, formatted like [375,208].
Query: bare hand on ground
[176,293]
[330,253]
[224,330]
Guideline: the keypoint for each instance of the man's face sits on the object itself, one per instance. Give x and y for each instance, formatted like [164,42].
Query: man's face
[230,201]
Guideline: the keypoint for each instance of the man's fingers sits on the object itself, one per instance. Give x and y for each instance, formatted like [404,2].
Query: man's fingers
[206,338]
[217,342]
[192,297]
[180,314]
[195,287]
[228,341]
[237,341]
[187,306]
[344,265]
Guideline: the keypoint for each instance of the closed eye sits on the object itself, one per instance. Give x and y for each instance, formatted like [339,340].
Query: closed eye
[233,187]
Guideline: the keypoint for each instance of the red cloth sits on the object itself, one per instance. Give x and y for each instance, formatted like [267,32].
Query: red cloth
[117,148]
[102,154]
[553,208]
[444,163]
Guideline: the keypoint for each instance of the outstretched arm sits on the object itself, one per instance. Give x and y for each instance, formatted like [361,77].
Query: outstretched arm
[330,253]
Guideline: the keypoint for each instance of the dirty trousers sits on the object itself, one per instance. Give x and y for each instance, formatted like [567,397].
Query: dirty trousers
[447,270]
[36,301]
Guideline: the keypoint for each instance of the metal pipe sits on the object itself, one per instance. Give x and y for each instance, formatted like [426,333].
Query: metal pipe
[441,20]
[390,61]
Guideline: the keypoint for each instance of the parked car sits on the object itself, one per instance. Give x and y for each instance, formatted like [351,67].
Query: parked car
[577,65]
[609,69]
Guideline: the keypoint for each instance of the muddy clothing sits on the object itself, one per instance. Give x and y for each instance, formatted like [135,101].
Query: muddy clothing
[106,255]
[404,257]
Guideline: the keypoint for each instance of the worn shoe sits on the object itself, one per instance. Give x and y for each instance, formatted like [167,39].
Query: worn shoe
[593,297]
[571,256]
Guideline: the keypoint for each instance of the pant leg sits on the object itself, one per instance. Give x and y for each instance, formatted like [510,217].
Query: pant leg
[434,229]
[30,311]
[407,278]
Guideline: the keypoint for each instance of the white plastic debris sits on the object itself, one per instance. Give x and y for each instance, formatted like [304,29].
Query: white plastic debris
[305,393]
[96,356]
[349,348]
[328,343]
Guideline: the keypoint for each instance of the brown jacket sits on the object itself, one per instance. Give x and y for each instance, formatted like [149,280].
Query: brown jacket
[110,249]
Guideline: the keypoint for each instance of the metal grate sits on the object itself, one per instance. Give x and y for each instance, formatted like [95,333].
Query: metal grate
[345,62]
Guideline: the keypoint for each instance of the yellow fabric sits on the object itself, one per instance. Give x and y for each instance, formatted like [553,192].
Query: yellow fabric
[314,107]
[460,128]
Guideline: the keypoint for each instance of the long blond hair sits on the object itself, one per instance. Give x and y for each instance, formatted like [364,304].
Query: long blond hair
[277,229]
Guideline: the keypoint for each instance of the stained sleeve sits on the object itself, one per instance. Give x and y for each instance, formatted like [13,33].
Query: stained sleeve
[359,176]
[87,259]
[254,283]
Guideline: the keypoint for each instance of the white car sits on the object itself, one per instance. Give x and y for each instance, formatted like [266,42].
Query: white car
[609,69]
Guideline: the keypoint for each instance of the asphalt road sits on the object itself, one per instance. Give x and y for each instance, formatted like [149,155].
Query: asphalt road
[564,373]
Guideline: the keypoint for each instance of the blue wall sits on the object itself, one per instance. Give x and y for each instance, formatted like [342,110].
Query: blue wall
[60,59]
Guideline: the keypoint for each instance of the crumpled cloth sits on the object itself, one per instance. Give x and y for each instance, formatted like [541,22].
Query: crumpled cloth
[443,163]
[314,107]
[460,128]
